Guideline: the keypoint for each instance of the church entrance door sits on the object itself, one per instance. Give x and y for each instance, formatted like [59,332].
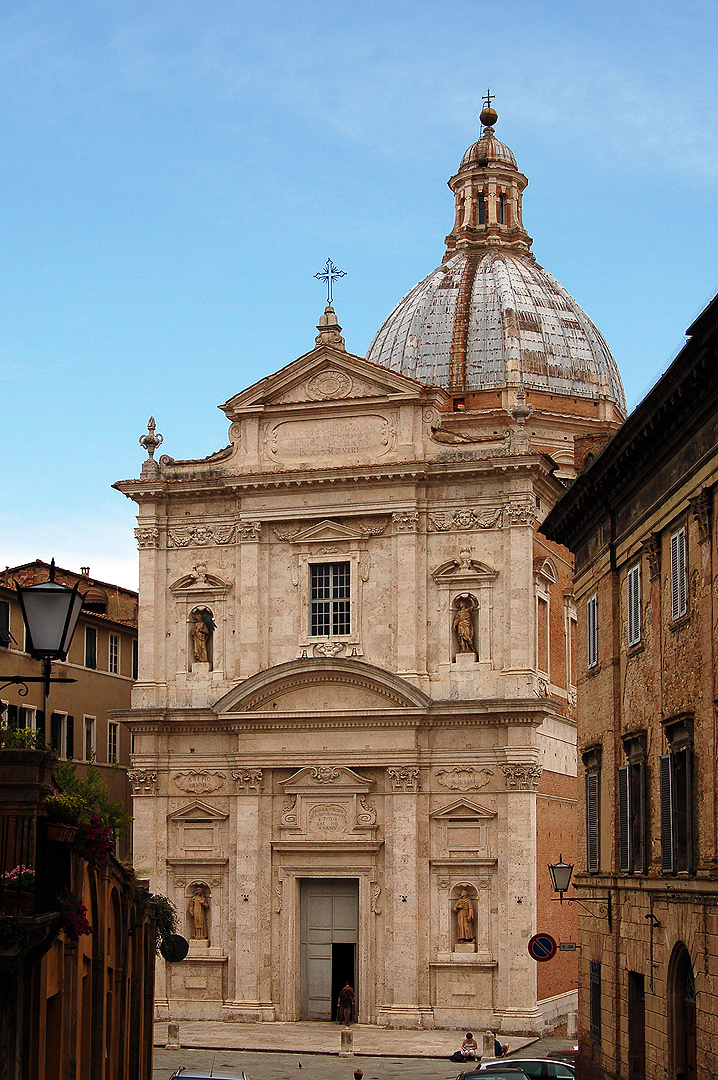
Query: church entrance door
[329,935]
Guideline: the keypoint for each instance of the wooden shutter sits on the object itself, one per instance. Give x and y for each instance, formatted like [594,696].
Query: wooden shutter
[640,845]
[678,574]
[668,862]
[592,631]
[70,737]
[4,623]
[625,855]
[682,806]
[592,823]
[634,605]
[595,1000]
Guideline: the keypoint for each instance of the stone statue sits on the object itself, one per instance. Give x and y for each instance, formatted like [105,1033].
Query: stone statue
[198,906]
[464,911]
[463,623]
[201,630]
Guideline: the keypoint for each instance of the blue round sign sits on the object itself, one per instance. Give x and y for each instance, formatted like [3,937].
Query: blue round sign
[542,947]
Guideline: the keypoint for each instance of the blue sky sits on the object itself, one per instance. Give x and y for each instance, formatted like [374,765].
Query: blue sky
[173,174]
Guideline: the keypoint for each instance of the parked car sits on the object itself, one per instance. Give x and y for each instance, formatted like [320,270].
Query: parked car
[189,1072]
[534,1068]
[507,1071]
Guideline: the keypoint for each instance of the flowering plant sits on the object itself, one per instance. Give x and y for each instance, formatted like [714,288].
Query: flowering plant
[21,878]
[94,842]
[74,914]
[65,809]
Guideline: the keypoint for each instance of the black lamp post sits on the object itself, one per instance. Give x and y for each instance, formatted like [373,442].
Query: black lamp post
[50,612]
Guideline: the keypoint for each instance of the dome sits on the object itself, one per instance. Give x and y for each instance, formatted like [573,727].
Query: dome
[490,317]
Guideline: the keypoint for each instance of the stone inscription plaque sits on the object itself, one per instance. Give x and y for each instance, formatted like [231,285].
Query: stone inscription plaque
[370,435]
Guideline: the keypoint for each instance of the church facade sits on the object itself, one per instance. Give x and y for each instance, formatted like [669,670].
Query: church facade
[354,744]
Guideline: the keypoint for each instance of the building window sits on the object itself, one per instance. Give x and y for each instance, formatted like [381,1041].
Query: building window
[5,636]
[90,647]
[592,631]
[58,733]
[27,717]
[114,656]
[543,634]
[676,776]
[330,599]
[482,209]
[595,1000]
[632,807]
[592,822]
[90,747]
[634,604]
[502,209]
[135,659]
[113,742]
[679,575]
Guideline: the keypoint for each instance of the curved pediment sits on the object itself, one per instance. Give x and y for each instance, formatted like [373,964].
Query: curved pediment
[318,684]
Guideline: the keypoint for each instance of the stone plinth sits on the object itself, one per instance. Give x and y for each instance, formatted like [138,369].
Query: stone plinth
[465,659]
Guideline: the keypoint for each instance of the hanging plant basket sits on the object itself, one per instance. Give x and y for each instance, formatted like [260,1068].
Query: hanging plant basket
[64,834]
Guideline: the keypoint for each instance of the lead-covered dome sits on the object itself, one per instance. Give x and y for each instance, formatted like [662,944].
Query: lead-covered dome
[490,317]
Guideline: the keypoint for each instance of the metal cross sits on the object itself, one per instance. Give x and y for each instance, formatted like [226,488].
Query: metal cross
[487,99]
[329,275]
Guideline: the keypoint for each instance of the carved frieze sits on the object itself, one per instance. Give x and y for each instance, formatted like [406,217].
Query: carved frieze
[200,535]
[521,777]
[249,781]
[148,536]
[467,778]
[405,520]
[199,781]
[404,779]
[325,774]
[249,531]
[464,520]
[144,781]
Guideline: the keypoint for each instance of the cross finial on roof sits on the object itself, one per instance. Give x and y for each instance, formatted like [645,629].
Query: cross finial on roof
[329,275]
[488,99]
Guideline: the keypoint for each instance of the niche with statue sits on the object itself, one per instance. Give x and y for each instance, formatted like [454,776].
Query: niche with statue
[463,901]
[201,633]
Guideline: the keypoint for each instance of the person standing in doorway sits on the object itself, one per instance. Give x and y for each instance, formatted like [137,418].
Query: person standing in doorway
[345,1004]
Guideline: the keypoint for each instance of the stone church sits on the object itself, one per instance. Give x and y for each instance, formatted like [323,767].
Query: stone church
[353,733]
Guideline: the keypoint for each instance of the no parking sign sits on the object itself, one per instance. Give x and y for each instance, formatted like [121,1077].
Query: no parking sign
[542,947]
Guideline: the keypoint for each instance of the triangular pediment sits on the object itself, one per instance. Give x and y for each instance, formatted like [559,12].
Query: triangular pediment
[324,777]
[325,531]
[197,811]
[463,810]
[327,377]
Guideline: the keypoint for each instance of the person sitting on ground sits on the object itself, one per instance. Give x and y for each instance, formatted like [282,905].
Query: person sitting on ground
[500,1049]
[469,1048]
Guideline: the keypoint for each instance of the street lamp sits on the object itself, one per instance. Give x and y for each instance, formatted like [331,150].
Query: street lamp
[560,876]
[50,612]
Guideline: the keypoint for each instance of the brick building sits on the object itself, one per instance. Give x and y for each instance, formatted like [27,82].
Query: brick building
[641,523]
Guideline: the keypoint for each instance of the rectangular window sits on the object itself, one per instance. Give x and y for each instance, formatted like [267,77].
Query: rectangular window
[27,716]
[634,604]
[89,738]
[330,599]
[5,624]
[58,733]
[90,647]
[113,742]
[543,635]
[135,658]
[679,575]
[482,210]
[592,631]
[632,817]
[676,811]
[595,1000]
[592,823]
[113,665]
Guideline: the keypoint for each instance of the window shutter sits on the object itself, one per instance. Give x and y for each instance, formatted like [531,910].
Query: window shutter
[624,820]
[667,845]
[678,574]
[592,837]
[4,623]
[40,722]
[634,605]
[592,631]
[682,805]
[641,853]
[595,1000]
[70,737]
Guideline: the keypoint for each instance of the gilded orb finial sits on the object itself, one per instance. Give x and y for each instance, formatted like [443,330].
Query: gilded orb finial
[488,116]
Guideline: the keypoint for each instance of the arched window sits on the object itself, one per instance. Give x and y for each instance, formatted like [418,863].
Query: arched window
[682,1014]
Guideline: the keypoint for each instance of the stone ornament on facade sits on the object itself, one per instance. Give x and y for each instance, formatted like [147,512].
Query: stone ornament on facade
[150,442]
[199,781]
[249,531]
[701,507]
[462,520]
[278,888]
[249,781]
[404,779]
[522,777]
[143,781]
[329,648]
[329,384]
[405,520]
[327,818]
[519,513]
[290,818]
[147,536]
[368,814]
[375,894]
[363,526]
[467,778]
[325,774]
[200,535]
[652,549]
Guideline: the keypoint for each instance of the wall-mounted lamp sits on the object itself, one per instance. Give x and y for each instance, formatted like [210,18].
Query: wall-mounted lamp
[561,879]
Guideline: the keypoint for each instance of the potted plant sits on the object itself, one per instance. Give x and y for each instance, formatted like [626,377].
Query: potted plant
[18,886]
[74,915]
[65,813]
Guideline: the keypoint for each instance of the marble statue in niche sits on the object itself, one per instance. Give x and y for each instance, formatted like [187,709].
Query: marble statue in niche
[198,908]
[464,911]
[462,622]
[201,630]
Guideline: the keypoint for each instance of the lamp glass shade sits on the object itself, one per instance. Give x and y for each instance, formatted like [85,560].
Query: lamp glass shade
[50,611]
[561,875]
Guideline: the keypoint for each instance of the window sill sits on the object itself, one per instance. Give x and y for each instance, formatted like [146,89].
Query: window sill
[593,671]
[635,650]
[678,624]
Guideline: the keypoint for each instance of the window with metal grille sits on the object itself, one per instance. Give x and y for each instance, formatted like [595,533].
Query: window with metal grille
[679,575]
[633,583]
[114,658]
[330,599]
[632,817]
[113,742]
[595,1000]
[90,647]
[592,822]
[592,631]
